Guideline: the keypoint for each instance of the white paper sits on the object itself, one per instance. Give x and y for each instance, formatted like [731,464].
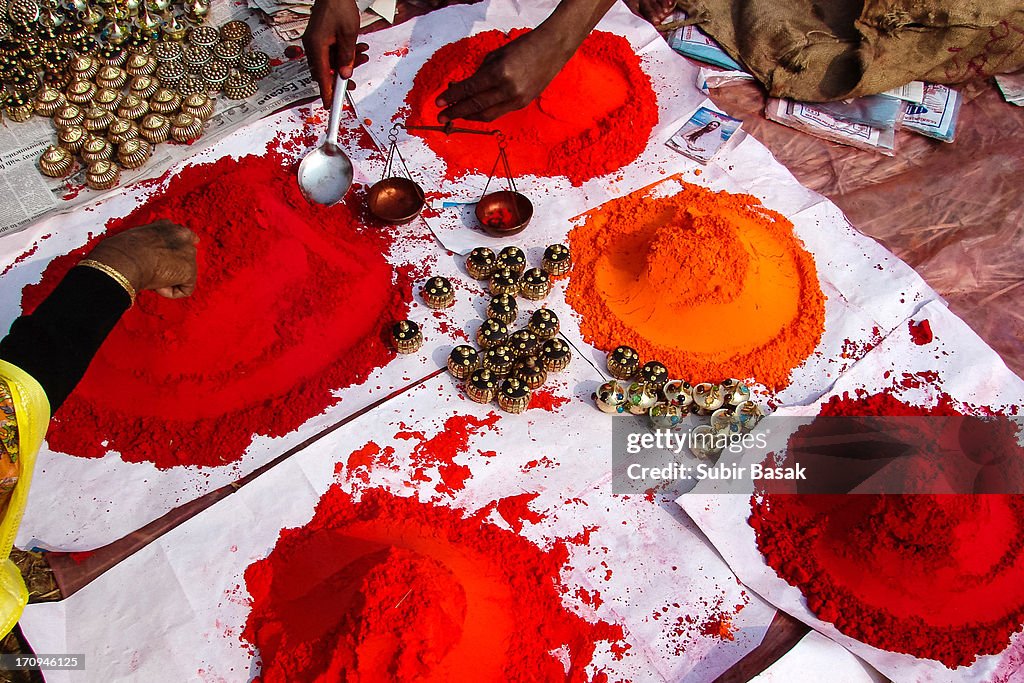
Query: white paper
[82,503]
[193,613]
[816,658]
[969,371]
[387,78]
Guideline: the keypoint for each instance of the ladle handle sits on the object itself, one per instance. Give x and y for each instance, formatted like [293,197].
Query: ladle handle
[337,104]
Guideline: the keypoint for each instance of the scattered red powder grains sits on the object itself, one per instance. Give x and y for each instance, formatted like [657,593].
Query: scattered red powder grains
[661,273]
[393,589]
[291,304]
[921,332]
[934,576]
[545,399]
[440,450]
[593,118]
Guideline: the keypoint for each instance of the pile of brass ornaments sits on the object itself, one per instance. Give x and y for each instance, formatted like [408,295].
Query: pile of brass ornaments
[117,78]
[508,364]
[645,389]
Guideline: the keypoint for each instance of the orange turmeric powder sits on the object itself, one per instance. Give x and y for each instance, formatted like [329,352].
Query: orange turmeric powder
[711,284]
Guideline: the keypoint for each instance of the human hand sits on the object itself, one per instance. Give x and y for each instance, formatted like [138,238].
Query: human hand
[654,11]
[160,256]
[508,79]
[330,44]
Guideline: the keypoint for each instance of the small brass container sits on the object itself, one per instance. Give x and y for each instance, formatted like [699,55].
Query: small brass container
[195,57]
[140,65]
[534,284]
[191,84]
[544,323]
[143,87]
[610,398]
[134,153]
[236,31]
[165,101]
[523,343]
[112,77]
[97,119]
[68,115]
[139,43]
[228,51]
[240,86]
[504,281]
[107,98]
[56,162]
[133,108]
[462,361]
[503,307]
[406,336]
[122,130]
[84,67]
[198,105]
[640,396]
[514,396]
[80,92]
[723,420]
[72,138]
[678,392]
[438,293]
[498,359]
[737,392]
[491,333]
[170,73]
[215,75]
[204,36]
[111,55]
[102,175]
[708,397]
[395,200]
[665,415]
[256,63]
[96,149]
[557,260]
[504,213]
[48,101]
[623,362]
[512,258]
[653,372]
[555,354]
[155,128]
[748,414]
[530,371]
[186,128]
[167,51]
[481,385]
[481,263]
[18,107]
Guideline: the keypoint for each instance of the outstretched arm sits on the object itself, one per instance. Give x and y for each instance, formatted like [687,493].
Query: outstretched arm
[514,75]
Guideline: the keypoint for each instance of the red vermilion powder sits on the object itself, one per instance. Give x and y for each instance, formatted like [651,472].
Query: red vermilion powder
[594,118]
[389,588]
[290,305]
[921,332]
[440,450]
[934,576]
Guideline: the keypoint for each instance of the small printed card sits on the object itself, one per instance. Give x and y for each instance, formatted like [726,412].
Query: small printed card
[704,134]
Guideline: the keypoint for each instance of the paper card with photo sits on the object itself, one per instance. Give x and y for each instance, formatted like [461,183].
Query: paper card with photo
[704,134]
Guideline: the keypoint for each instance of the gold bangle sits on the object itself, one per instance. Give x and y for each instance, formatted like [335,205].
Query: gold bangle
[118,277]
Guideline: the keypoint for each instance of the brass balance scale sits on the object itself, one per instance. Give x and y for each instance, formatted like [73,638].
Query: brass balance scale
[397,199]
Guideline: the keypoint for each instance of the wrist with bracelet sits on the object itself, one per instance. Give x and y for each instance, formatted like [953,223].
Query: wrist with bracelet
[114,274]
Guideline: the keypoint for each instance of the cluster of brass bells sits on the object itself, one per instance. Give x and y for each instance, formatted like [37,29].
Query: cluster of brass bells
[116,85]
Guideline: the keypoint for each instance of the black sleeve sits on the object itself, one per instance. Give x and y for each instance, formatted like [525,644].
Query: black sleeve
[58,341]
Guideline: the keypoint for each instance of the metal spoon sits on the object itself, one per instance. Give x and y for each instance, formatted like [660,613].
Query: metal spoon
[325,174]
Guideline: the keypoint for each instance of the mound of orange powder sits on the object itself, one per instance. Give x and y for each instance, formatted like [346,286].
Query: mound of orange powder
[711,284]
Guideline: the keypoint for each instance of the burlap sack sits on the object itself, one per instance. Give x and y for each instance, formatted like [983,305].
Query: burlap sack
[820,51]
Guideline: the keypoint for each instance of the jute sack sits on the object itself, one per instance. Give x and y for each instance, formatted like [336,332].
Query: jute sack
[820,51]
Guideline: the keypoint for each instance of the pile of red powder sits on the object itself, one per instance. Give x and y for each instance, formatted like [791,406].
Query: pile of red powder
[594,118]
[934,576]
[291,304]
[389,588]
